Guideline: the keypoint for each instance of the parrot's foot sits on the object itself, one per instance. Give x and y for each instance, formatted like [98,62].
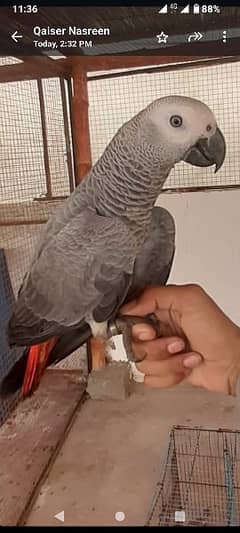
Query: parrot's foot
[123,326]
[98,350]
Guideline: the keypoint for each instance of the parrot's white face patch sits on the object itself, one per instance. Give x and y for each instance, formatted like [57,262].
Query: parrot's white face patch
[181,121]
[98,329]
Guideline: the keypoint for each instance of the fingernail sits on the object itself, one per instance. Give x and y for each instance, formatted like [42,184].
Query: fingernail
[176,346]
[143,335]
[192,361]
[140,332]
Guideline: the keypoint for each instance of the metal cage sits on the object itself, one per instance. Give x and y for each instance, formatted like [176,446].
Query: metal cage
[200,480]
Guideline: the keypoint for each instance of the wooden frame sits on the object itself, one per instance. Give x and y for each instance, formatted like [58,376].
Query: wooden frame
[33,68]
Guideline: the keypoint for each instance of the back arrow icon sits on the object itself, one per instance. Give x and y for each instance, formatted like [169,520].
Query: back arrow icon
[15,36]
[196,36]
[60,516]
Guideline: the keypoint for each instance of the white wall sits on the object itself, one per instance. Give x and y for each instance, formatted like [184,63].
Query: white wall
[208,244]
[207,248]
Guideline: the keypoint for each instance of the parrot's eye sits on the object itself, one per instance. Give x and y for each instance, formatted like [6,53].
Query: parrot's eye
[176,121]
[209,127]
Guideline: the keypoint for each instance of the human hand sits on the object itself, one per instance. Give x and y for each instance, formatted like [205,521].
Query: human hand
[210,353]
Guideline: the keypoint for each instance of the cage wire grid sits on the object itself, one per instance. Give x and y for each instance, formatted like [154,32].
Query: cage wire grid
[199,482]
[25,199]
[115,99]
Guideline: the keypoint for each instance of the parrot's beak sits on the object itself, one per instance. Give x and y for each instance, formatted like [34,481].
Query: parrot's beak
[207,152]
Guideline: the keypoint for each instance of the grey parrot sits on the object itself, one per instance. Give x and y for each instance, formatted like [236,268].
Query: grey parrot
[99,249]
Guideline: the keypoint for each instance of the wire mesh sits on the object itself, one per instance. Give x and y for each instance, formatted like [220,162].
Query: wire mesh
[200,480]
[22,173]
[8,357]
[113,101]
[24,208]
[22,169]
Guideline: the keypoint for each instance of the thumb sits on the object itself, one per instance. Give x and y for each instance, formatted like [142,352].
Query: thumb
[146,303]
[150,300]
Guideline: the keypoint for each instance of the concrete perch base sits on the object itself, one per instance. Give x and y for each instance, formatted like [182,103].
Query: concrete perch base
[112,382]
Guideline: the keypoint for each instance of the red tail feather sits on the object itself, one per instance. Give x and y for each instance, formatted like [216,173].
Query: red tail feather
[37,361]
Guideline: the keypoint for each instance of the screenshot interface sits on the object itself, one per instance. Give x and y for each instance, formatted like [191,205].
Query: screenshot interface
[119,170]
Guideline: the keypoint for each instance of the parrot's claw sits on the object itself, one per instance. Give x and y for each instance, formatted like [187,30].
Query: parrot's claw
[111,344]
[123,326]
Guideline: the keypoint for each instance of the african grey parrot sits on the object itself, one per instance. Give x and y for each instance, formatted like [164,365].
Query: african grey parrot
[85,266]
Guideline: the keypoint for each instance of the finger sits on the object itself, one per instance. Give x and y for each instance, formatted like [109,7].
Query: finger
[143,332]
[162,367]
[164,382]
[172,372]
[157,349]
[166,373]
[175,364]
[150,300]
[146,332]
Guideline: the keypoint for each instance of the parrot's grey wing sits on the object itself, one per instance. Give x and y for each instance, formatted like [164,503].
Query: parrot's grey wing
[154,262]
[152,267]
[86,269]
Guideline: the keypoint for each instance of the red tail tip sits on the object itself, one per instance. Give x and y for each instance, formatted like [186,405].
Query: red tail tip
[37,361]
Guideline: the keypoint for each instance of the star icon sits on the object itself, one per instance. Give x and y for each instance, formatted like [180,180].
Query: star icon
[162,38]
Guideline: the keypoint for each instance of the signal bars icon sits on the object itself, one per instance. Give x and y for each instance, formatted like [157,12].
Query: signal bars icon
[184,11]
[163,10]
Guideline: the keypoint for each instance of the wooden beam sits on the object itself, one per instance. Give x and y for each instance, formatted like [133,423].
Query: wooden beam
[81,133]
[98,63]
[34,68]
[171,67]
[95,63]
[22,222]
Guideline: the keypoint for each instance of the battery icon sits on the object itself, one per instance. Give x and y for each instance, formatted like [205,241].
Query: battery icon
[196,9]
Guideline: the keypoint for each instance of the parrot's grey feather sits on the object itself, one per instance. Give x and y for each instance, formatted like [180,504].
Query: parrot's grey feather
[152,267]
[95,257]
[154,262]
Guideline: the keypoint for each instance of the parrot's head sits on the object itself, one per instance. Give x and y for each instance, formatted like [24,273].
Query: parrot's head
[186,130]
